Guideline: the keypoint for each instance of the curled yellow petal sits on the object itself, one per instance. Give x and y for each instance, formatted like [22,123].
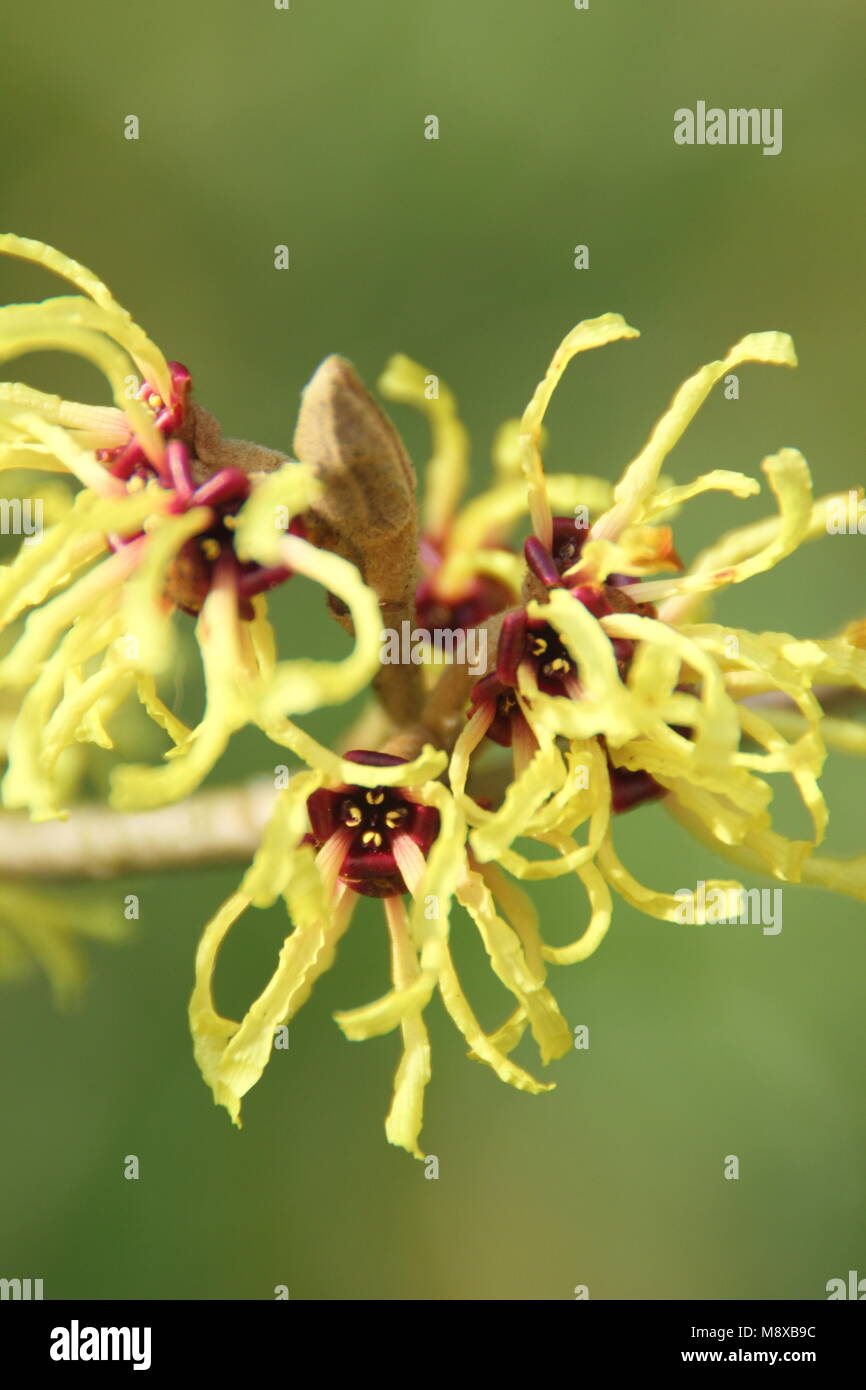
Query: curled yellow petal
[139,346]
[448,468]
[76,325]
[663,905]
[295,687]
[275,501]
[591,333]
[146,610]
[305,955]
[670,499]
[601,905]
[229,705]
[403,1124]
[549,1028]
[789,478]
[480,1044]
[638,483]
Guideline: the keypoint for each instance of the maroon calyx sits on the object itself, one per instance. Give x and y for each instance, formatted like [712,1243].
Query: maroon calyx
[566,545]
[370,819]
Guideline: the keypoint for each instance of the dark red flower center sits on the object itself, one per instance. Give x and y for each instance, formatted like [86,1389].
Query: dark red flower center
[531,643]
[369,819]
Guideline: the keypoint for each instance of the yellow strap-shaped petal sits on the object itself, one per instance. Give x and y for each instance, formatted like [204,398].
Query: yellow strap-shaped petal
[304,957]
[480,1044]
[105,427]
[716,736]
[667,501]
[147,611]
[601,910]
[386,1014]
[638,483]
[20,667]
[210,1031]
[75,325]
[80,462]
[549,1028]
[846,735]
[31,781]
[158,710]
[605,706]
[663,905]
[543,776]
[139,346]
[429,763]
[448,468]
[591,333]
[63,728]
[747,841]
[521,913]
[74,541]
[791,483]
[296,687]
[230,704]
[274,867]
[403,1123]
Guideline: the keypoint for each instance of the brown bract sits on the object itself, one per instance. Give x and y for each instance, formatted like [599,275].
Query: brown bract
[367,510]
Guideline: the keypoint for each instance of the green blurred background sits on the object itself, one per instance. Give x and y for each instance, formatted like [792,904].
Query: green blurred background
[305,127]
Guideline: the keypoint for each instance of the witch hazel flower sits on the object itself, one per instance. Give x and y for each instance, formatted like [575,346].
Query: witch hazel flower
[169,518]
[531,653]
[376,825]
[602,663]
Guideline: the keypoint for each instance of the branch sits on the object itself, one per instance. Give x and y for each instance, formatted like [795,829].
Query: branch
[223,826]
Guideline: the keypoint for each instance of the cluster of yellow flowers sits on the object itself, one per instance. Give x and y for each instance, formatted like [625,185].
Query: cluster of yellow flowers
[605,678]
